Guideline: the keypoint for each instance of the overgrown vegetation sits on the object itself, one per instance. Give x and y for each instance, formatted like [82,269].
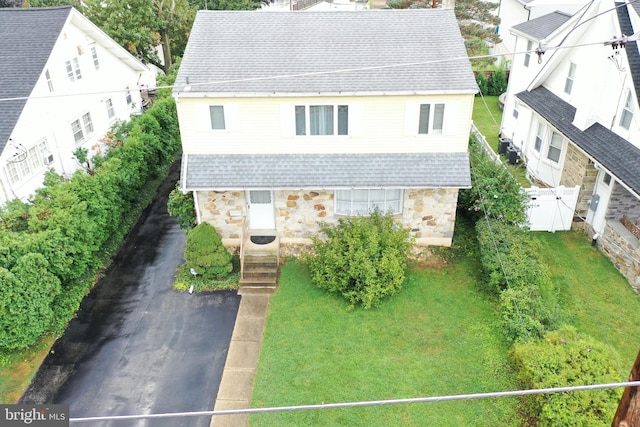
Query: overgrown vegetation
[180,205]
[531,318]
[362,258]
[52,249]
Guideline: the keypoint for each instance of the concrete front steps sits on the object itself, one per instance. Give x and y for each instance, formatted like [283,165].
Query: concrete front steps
[260,275]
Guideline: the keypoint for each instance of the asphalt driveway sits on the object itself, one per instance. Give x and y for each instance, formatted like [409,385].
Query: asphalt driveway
[137,346]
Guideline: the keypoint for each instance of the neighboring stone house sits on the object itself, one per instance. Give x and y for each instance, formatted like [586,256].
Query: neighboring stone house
[63,84]
[575,117]
[289,119]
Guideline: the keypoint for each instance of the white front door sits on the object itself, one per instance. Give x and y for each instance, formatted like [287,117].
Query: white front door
[261,211]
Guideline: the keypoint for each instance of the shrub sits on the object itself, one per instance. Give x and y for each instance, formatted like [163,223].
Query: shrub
[363,258]
[206,254]
[497,83]
[25,302]
[180,205]
[525,316]
[564,358]
[481,79]
[495,192]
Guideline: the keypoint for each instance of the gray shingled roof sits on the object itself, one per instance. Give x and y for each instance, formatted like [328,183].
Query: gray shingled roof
[227,45]
[329,171]
[541,27]
[614,153]
[27,37]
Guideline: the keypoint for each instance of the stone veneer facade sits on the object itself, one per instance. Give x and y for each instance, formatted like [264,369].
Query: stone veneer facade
[429,213]
[579,170]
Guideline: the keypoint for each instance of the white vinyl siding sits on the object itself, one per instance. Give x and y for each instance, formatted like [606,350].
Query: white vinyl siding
[364,202]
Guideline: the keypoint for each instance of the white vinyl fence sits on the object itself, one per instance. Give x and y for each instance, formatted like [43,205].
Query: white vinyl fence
[551,209]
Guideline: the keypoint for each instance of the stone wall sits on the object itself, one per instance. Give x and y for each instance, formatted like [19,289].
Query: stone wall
[579,170]
[429,213]
[622,202]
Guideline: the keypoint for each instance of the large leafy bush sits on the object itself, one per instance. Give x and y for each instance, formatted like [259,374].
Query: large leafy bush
[362,258]
[180,205]
[205,253]
[564,358]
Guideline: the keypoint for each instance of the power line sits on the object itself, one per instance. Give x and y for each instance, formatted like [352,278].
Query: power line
[429,399]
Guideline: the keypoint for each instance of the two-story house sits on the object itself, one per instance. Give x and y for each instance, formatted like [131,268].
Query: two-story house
[63,84]
[574,113]
[322,116]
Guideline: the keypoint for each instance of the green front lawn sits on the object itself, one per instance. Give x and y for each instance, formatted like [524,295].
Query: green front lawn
[487,117]
[438,336]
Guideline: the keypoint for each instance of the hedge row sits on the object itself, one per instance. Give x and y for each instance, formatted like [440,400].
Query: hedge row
[51,249]
[545,354]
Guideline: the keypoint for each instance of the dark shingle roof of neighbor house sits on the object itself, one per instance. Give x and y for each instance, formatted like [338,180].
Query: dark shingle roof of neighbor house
[269,52]
[27,37]
[541,27]
[613,152]
[325,171]
[633,56]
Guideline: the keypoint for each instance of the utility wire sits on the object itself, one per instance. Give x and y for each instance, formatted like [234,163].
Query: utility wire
[488,395]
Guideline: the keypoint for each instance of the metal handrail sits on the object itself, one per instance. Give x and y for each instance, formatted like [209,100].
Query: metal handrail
[243,232]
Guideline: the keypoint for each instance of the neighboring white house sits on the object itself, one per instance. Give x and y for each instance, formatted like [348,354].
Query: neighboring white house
[322,116]
[575,117]
[63,84]
[514,12]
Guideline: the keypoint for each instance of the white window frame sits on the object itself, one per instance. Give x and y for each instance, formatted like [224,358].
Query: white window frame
[627,112]
[527,55]
[568,83]
[94,56]
[73,70]
[111,113]
[516,112]
[431,119]
[82,128]
[32,163]
[302,123]
[556,142]
[215,122]
[128,97]
[47,76]
[343,198]
[539,138]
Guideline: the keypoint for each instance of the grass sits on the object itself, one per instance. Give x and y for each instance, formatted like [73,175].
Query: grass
[18,368]
[487,116]
[436,337]
[599,300]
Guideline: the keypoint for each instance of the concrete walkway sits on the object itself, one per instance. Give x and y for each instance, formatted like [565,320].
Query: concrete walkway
[240,368]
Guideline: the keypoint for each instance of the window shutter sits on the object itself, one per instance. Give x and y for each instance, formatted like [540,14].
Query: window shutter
[231,116]
[356,115]
[451,112]
[411,118]
[204,117]
[287,114]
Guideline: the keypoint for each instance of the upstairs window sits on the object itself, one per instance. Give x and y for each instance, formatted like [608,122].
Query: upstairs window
[516,113]
[49,82]
[555,147]
[568,84]
[128,96]
[82,128]
[110,111]
[216,113]
[363,202]
[73,70]
[322,119]
[627,112]
[94,56]
[527,55]
[431,119]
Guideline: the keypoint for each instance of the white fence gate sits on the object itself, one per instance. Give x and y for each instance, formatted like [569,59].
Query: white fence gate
[551,209]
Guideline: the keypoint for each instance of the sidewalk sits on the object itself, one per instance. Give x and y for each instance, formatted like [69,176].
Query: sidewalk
[240,368]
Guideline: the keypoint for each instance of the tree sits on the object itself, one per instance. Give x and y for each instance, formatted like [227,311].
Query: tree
[180,205]
[362,258]
[141,26]
[225,4]
[477,24]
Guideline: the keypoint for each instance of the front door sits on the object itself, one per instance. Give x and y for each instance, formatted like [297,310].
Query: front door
[261,211]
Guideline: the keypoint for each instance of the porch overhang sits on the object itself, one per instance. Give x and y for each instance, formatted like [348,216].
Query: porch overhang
[223,172]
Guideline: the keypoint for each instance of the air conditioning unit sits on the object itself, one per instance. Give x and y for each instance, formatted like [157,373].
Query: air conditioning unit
[48,159]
